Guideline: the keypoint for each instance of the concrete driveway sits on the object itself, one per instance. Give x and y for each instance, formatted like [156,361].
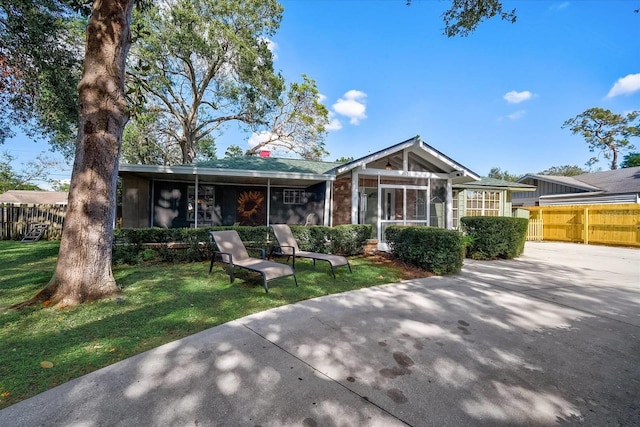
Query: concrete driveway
[550,338]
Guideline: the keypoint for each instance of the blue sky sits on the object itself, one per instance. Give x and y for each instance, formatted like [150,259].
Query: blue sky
[495,98]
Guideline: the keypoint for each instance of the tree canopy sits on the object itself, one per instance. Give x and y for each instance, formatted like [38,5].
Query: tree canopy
[203,63]
[497,173]
[41,51]
[606,133]
[630,160]
[565,170]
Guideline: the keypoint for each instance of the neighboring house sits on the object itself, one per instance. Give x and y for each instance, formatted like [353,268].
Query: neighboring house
[29,197]
[614,186]
[487,197]
[407,183]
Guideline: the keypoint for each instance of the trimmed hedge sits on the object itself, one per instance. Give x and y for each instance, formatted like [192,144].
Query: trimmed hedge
[493,237]
[131,244]
[437,250]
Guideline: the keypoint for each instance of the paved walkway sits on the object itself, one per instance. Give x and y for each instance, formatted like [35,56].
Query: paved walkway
[550,338]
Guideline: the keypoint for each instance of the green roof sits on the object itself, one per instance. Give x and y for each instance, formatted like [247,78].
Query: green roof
[271,164]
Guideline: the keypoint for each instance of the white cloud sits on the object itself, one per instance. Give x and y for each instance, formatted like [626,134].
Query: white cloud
[352,105]
[625,85]
[272,46]
[517,115]
[334,124]
[560,6]
[321,97]
[514,97]
[257,138]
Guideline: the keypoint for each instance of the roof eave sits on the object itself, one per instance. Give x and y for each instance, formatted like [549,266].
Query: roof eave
[202,171]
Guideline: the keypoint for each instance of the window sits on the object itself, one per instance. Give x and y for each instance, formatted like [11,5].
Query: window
[294,197]
[456,194]
[483,203]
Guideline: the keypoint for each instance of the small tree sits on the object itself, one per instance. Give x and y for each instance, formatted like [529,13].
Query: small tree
[11,179]
[605,132]
[233,151]
[497,173]
[630,160]
[344,159]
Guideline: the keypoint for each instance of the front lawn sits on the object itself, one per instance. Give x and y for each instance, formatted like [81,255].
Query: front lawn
[159,303]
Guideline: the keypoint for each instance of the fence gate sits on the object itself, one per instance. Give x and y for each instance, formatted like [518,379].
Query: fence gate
[535,231]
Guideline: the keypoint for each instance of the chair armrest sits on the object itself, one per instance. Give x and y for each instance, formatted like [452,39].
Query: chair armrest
[277,249]
[222,256]
[262,251]
[279,252]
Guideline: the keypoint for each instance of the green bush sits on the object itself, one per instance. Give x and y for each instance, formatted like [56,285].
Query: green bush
[130,248]
[433,249]
[493,237]
[342,239]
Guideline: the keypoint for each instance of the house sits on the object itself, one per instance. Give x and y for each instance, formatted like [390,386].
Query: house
[408,183]
[30,197]
[613,186]
[486,197]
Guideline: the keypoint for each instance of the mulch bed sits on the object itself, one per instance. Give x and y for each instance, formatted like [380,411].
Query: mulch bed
[408,271]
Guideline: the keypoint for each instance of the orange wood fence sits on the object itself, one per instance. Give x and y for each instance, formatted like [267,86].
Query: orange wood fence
[612,224]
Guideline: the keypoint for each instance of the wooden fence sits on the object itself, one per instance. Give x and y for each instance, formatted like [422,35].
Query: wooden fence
[600,224]
[535,231]
[16,219]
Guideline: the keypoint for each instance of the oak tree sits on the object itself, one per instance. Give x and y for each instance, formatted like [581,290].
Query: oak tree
[204,63]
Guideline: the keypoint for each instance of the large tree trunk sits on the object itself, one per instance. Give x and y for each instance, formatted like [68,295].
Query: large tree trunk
[83,272]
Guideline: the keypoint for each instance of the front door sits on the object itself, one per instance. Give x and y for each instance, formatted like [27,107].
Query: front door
[401,205]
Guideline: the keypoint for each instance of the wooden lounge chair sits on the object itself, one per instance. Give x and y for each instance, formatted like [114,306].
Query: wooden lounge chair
[233,252]
[287,246]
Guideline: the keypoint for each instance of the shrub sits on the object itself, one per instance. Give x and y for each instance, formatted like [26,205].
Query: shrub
[493,237]
[130,243]
[434,249]
[342,239]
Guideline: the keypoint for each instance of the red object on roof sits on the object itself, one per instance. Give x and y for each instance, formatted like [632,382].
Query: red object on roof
[265,153]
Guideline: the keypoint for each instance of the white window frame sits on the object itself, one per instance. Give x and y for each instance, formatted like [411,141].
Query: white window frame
[291,196]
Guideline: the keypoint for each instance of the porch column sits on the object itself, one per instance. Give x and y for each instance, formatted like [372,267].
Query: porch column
[327,203]
[354,197]
[195,212]
[449,205]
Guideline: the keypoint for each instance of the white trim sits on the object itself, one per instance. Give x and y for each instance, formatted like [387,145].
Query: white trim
[354,197]
[327,202]
[269,199]
[449,205]
[195,202]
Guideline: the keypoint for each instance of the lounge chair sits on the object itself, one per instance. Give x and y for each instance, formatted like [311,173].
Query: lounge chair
[287,246]
[233,252]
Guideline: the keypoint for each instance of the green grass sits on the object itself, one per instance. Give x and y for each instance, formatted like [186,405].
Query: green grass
[158,304]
